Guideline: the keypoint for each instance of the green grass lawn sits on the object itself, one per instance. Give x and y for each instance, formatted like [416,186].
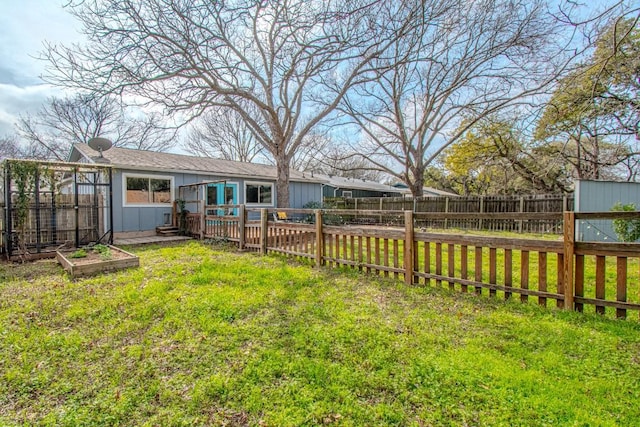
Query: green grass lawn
[203,336]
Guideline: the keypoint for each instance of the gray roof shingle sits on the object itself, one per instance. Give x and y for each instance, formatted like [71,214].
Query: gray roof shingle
[126,158]
[358,184]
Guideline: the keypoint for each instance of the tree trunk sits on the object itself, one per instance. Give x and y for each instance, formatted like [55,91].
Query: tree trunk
[417,186]
[282,182]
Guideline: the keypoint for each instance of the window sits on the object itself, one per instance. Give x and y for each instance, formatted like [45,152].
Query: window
[259,194]
[347,194]
[212,195]
[147,190]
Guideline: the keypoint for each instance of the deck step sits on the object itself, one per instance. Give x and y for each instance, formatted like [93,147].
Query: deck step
[167,230]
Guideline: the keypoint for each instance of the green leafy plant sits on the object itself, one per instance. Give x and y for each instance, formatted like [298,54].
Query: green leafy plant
[27,176]
[80,253]
[103,250]
[23,175]
[627,230]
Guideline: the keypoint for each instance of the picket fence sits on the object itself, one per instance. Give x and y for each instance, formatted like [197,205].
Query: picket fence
[561,271]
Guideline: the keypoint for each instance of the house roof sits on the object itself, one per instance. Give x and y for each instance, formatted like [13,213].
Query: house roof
[430,191]
[357,184]
[126,158]
[426,191]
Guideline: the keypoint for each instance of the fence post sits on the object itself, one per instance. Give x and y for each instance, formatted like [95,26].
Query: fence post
[446,210]
[319,238]
[480,222]
[36,194]
[203,222]
[264,230]
[569,248]
[242,219]
[521,209]
[8,214]
[408,247]
[76,207]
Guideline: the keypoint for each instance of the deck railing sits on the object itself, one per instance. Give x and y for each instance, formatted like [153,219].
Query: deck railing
[556,270]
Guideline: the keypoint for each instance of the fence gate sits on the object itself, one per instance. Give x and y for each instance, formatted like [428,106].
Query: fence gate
[47,204]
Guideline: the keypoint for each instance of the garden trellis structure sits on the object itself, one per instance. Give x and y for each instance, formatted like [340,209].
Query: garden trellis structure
[48,204]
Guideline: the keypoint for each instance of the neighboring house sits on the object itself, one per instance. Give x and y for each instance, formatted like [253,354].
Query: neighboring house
[426,191]
[336,186]
[146,183]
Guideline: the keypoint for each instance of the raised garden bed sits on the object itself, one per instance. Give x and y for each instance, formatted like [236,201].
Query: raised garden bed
[95,261]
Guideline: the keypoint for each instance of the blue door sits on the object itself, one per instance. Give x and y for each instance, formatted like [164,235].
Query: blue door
[221,193]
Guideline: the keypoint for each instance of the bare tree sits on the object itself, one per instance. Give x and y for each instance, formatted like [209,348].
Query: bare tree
[13,147]
[335,160]
[223,133]
[465,61]
[313,149]
[61,122]
[10,148]
[292,61]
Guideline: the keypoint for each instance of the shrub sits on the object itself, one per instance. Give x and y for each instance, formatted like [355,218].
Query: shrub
[627,230]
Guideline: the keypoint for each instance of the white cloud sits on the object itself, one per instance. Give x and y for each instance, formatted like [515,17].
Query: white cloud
[15,100]
[24,27]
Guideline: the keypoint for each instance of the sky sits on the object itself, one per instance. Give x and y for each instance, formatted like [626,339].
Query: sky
[24,26]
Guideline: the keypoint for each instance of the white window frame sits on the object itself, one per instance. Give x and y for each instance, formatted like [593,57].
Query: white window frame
[347,194]
[273,192]
[170,178]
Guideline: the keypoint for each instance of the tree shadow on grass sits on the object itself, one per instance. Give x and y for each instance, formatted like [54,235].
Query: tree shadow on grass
[11,271]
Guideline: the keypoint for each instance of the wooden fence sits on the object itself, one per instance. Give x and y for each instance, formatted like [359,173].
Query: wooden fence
[561,272]
[54,220]
[472,204]
[46,204]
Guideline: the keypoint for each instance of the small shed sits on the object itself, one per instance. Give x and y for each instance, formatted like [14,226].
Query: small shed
[601,196]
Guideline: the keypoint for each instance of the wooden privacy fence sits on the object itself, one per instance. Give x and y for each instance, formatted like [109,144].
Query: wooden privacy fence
[562,272]
[479,205]
[55,219]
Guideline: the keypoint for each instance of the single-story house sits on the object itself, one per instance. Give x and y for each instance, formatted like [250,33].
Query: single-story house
[426,191]
[336,186]
[145,184]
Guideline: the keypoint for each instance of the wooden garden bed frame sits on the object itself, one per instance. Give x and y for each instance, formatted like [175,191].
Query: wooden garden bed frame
[79,267]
